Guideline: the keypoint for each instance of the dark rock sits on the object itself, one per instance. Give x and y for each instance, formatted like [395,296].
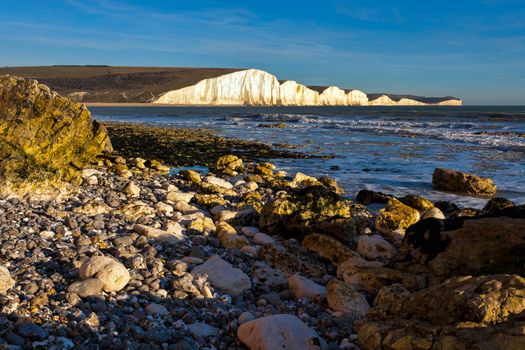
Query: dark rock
[368,197]
[310,210]
[457,181]
[31,331]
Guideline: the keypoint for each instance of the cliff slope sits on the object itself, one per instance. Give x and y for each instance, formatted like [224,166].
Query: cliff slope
[202,86]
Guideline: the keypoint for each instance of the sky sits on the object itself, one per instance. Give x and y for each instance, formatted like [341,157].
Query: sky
[474,50]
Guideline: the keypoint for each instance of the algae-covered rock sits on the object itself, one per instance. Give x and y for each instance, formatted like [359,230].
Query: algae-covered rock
[44,136]
[395,217]
[328,247]
[416,202]
[313,210]
[191,175]
[457,181]
[228,164]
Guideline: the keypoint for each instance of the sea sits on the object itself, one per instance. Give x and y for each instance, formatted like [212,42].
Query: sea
[389,149]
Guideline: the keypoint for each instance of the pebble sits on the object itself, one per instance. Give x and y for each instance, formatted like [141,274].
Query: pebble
[199,329]
[305,288]
[157,309]
[263,239]
[31,331]
[86,288]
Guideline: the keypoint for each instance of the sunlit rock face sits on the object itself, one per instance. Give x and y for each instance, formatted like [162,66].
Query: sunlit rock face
[451,102]
[45,138]
[258,88]
[382,100]
[247,87]
[385,100]
[293,94]
[356,98]
[333,96]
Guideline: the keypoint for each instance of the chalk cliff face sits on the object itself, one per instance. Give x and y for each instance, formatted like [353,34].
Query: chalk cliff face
[357,98]
[333,96]
[293,94]
[247,87]
[259,88]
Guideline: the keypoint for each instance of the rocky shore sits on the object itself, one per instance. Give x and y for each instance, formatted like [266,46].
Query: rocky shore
[247,256]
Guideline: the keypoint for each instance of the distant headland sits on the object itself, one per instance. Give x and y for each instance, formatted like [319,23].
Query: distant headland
[203,86]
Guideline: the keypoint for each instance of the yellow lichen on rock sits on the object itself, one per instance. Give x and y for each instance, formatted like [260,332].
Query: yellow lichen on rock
[45,138]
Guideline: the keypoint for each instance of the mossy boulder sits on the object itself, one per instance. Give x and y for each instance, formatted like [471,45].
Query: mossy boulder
[313,210]
[191,175]
[229,165]
[396,217]
[461,182]
[416,202]
[44,136]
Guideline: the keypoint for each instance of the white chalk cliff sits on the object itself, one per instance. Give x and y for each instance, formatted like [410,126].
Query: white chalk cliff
[259,88]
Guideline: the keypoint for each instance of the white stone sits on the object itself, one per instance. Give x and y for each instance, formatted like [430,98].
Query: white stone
[47,234]
[281,331]
[90,172]
[131,189]
[185,197]
[223,276]
[185,208]
[375,247]
[305,288]
[263,239]
[112,273]
[164,208]
[6,282]
[170,188]
[217,181]
[171,237]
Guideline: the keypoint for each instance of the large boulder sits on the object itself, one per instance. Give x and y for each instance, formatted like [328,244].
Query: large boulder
[471,246]
[111,272]
[313,210]
[457,181]
[395,217]
[44,136]
[488,245]
[461,313]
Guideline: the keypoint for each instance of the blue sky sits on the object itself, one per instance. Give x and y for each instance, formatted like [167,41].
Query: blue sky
[471,49]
